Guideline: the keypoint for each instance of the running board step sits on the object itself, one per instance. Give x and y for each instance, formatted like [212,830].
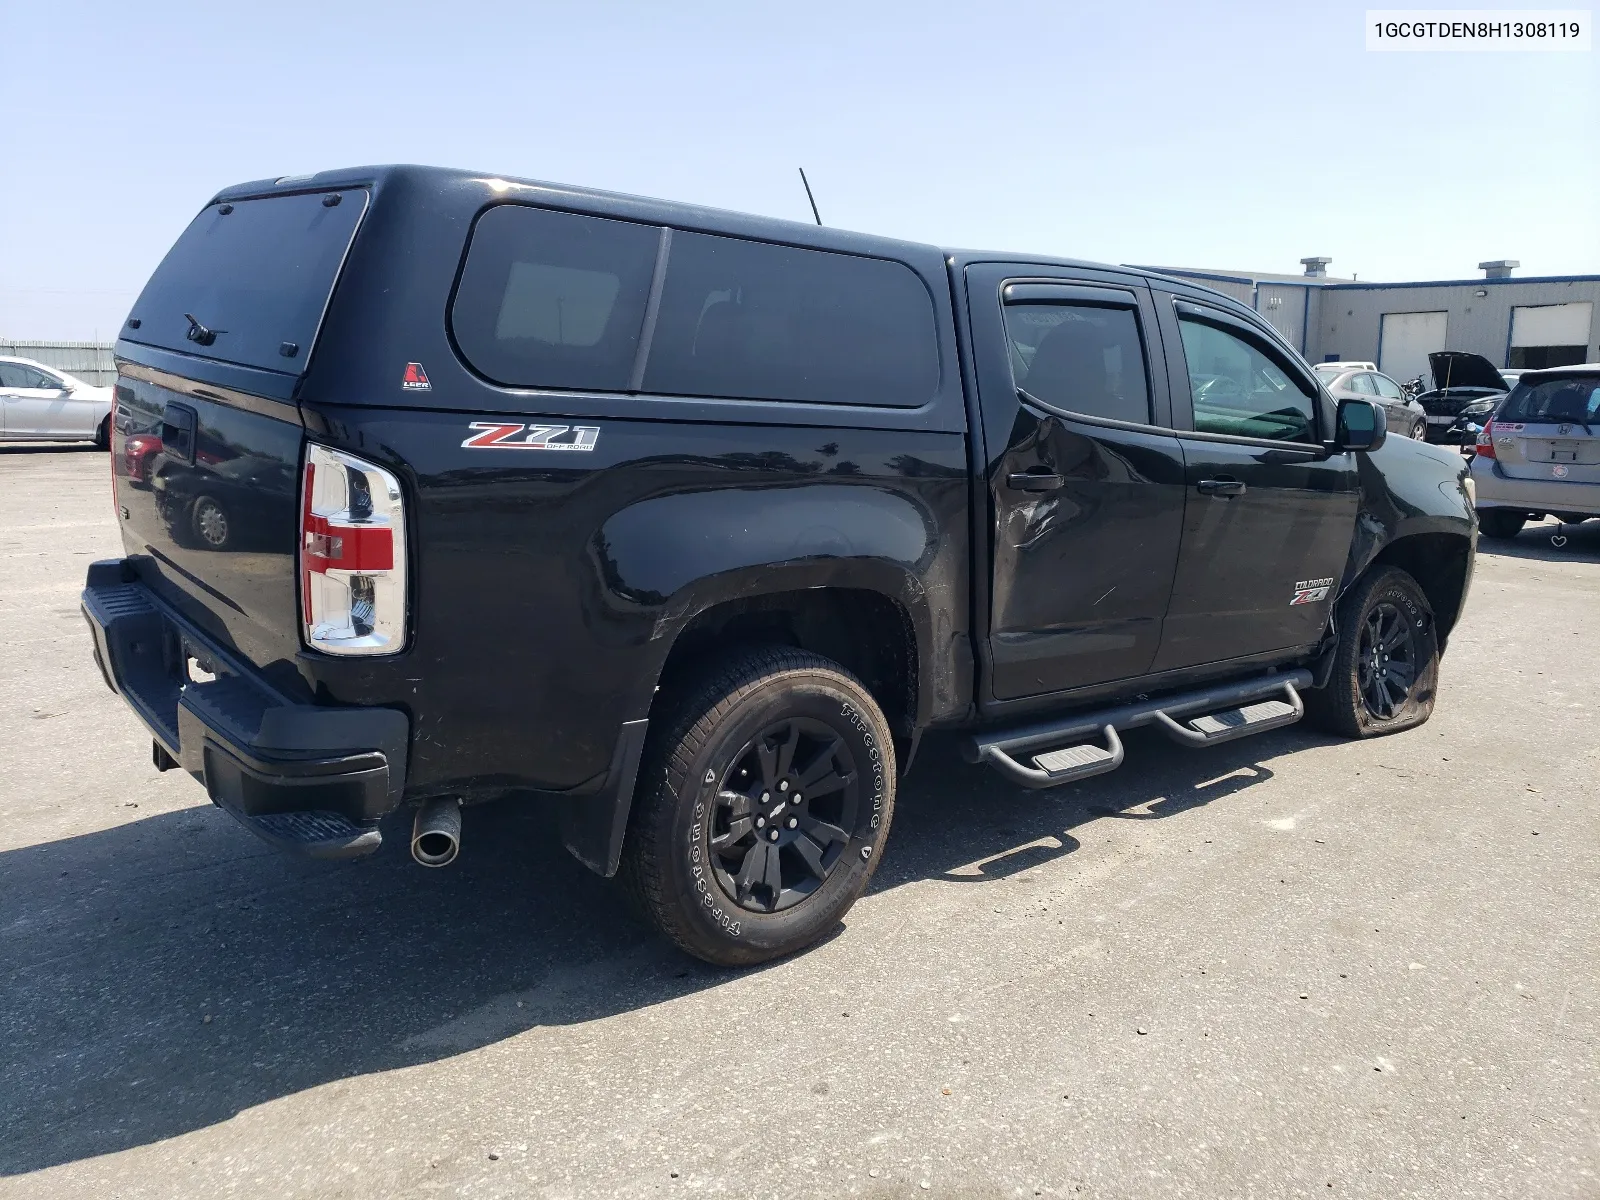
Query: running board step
[1056,767]
[1065,755]
[1234,723]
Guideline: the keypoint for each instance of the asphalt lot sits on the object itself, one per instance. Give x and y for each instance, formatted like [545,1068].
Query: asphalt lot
[1289,966]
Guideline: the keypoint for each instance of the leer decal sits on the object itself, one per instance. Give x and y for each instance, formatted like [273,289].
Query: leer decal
[508,435]
[415,379]
[1309,591]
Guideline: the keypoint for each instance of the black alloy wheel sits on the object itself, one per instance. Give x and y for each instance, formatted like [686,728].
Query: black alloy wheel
[780,816]
[1386,661]
[765,795]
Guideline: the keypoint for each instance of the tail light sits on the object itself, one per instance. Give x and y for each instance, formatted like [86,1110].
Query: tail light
[1484,446]
[352,555]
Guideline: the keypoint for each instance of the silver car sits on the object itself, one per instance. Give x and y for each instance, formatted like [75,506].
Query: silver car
[40,402]
[1359,381]
[1540,455]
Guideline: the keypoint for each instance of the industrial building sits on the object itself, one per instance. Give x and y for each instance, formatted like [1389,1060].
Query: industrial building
[1542,321]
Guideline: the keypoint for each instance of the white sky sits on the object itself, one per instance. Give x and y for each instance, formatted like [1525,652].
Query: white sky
[1238,135]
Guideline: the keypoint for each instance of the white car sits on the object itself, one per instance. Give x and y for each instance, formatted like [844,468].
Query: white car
[41,403]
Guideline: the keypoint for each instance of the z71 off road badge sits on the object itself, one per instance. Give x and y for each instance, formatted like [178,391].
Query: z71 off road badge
[1309,591]
[498,435]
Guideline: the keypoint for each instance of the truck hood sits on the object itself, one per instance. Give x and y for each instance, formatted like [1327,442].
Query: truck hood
[1459,369]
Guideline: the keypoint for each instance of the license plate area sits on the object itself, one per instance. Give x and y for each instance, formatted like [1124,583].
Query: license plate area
[1550,450]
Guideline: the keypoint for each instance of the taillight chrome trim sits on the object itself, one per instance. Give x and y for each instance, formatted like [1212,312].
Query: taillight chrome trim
[351,556]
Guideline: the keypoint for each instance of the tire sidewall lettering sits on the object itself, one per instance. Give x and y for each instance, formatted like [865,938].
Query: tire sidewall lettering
[699,862]
[874,758]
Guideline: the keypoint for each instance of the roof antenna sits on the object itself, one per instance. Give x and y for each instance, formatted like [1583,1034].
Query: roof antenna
[809,196]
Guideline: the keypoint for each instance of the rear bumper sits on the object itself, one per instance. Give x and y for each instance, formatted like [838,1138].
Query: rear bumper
[1497,490]
[307,778]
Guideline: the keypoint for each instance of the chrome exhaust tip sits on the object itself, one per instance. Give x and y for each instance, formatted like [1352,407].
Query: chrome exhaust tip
[436,833]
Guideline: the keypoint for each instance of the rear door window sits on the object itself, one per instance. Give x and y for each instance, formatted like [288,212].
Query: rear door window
[554,299]
[754,320]
[1362,385]
[1080,358]
[248,281]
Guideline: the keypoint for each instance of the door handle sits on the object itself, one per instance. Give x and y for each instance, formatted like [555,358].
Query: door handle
[1220,487]
[1034,481]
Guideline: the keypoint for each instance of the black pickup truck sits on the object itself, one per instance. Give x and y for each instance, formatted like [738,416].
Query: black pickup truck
[452,487]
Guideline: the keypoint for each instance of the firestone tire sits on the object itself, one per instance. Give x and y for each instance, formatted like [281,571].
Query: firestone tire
[1386,669]
[725,853]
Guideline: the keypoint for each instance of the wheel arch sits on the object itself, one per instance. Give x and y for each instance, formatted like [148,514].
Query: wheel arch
[1441,563]
[872,632]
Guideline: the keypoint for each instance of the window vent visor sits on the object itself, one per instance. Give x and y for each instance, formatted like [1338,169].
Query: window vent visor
[352,555]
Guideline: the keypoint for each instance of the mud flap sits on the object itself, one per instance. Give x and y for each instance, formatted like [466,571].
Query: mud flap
[593,825]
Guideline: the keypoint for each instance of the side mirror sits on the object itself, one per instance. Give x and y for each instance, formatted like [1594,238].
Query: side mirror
[1361,425]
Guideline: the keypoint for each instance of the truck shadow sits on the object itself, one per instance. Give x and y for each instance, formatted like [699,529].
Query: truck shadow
[957,832]
[168,973]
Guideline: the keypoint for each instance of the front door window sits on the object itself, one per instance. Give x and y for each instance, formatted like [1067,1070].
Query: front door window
[1239,392]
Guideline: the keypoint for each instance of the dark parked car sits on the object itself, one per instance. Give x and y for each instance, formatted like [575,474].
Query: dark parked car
[691,525]
[1405,416]
[1460,380]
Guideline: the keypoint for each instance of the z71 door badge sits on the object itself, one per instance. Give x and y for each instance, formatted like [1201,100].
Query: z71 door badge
[1309,591]
[497,435]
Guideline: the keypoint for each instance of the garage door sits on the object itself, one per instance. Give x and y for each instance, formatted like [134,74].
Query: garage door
[1408,339]
[1550,335]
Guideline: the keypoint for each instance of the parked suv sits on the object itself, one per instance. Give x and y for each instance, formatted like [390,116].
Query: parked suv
[1541,453]
[1404,415]
[691,524]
